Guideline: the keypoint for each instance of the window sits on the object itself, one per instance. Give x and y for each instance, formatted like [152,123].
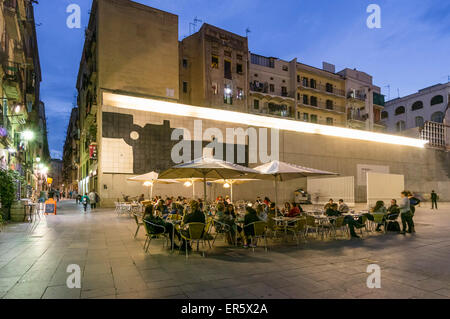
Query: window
[185,63]
[400,126]
[285,68]
[240,93]
[313,83]
[417,106]
[215,62]
[256,75]
[298,96]
[384,115]
[256,104]
[305,82]
[329,104]
[329,87]
[227,53]
[298,115]
[185,87]
[313,118]
[228,95]
[227,70]
[313,101]
[305,99]
[419,121]
[239,57]
[437,117]
[239,68]
[438,99]
[298,78]
[400,110]
[330,121]
[306,117]
[272,88]
[284,91]
[262,60]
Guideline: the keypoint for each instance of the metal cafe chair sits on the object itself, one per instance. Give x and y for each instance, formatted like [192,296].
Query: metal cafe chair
[157,231]
[259,232]
[193,232]
[138,223]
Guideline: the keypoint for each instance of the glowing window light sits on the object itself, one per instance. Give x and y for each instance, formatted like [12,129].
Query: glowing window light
[169,108]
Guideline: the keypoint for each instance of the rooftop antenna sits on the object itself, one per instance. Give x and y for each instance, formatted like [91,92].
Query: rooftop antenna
[247,31]
[389,91]
[398,92]
[193,25]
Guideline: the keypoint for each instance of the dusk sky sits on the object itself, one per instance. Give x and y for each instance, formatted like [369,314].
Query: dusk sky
[410,51]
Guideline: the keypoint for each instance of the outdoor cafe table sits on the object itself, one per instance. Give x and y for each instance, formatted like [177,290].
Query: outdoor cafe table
[286,220]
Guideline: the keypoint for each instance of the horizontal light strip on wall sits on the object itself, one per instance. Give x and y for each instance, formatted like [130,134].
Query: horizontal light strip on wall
[176,109]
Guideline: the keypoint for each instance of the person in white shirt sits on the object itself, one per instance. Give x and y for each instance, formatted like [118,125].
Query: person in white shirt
[92,200]
[405,213]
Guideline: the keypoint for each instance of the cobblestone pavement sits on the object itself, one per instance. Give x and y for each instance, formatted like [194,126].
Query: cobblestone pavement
[34,260]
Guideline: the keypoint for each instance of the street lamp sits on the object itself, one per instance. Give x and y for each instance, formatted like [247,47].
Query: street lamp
[27,135]
[38,159]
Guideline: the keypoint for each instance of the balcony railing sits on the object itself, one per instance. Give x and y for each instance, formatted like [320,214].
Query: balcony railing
[325,106]
[12,71]
[323,89]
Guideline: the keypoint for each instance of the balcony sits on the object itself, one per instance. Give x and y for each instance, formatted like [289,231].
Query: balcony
[357,95]
[324,106]
[12,71]
[323,89]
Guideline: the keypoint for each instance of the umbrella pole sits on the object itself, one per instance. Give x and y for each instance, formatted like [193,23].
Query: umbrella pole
[231,193]
[151,192]
[276,195]
[204,189]
[193,188]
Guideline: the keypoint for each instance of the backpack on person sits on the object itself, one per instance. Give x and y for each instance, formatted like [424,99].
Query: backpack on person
[393,226]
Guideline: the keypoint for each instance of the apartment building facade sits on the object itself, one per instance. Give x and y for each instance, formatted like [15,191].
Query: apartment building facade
[214,69]
[129,48]
[414,110]
[272,88]
[71,153]
[23,132]
[365,103]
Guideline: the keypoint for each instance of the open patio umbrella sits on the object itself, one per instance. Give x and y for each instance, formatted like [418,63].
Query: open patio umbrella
[232,182]
[207,168]
[150,179]
[281,171]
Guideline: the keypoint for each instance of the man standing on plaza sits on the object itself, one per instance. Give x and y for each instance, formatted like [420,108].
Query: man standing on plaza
[433,200]
[405,213]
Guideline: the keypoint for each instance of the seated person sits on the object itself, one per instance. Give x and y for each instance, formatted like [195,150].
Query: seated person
[331,208]
[261,212]
[153,218]
[195,215]
[141,198]
[294,211]
[250,217]
[392,213]
[226,216]
[162,208]
[379,208]
[343,207]
[286,209]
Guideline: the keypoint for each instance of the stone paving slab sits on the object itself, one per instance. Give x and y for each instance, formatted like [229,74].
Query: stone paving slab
[34,260]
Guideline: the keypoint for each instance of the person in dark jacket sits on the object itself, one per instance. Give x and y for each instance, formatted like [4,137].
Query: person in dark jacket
[194,216]
[250,217]
[150,217]
[392,213]
[433,199]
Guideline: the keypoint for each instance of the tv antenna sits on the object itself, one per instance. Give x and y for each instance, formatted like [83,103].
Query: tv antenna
[247,31]
[389,91]
[193,25]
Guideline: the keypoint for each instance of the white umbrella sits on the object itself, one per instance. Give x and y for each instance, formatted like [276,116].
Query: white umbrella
[150,179]
[281,171]
[207,168]
[232,182]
